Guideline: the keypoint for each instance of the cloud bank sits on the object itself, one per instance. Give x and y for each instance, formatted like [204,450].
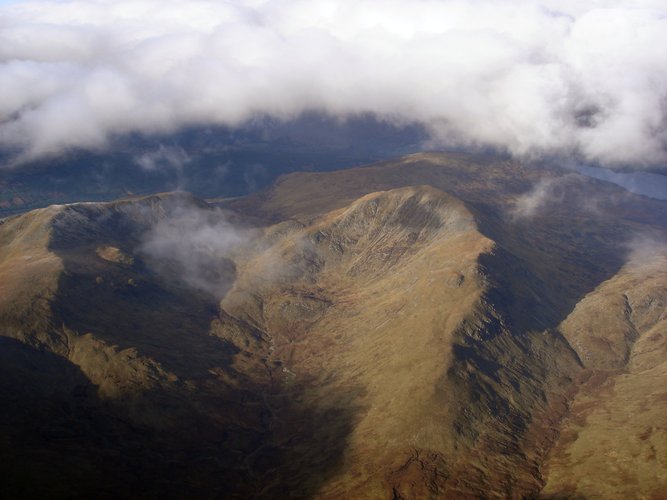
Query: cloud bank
[585,78]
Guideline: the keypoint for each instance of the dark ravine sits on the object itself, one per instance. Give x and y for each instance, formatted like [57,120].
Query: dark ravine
[392,331]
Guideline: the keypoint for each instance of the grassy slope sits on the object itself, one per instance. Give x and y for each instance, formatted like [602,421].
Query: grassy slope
[614,442]
[383,284]
[386,340]
[542,267]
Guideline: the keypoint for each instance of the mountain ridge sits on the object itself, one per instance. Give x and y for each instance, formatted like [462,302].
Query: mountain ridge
[368,335]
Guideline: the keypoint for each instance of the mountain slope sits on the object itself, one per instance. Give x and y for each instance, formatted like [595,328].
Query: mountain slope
[422,328]
[403,308]
[384,283]
[154,374]
[613,443]
[544,262]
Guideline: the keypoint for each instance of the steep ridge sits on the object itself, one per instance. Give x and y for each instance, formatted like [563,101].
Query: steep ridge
[413,329]
[510,359]
[470,405]
[370,297]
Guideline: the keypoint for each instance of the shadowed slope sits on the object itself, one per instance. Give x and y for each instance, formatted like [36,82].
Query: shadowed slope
[177,389]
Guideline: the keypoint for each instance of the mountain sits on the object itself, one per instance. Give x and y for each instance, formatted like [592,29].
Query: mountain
[434,326]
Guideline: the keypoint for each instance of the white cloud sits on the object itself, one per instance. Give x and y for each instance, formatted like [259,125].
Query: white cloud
[547,193]
[646,248]
[194,246]
[169,157]
[551,77]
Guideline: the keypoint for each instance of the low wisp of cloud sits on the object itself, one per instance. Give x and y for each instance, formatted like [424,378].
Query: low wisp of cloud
[647,248]
[585,78]
[545,193]
[194,246]
[164,157]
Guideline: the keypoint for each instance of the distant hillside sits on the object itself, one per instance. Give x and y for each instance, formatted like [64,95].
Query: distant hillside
[210,162]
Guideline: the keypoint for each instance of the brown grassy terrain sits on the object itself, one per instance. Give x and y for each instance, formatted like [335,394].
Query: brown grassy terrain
[404,330]
[614,442]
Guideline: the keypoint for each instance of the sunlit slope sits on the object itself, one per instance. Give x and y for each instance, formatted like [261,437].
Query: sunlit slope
[512,360]
[387,301]
[29,271]
[363,304]
[614,442]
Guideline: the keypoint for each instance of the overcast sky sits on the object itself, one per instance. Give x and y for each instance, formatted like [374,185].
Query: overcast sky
[586,78]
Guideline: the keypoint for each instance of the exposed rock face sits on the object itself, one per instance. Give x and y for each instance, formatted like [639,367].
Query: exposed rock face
[399,330]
